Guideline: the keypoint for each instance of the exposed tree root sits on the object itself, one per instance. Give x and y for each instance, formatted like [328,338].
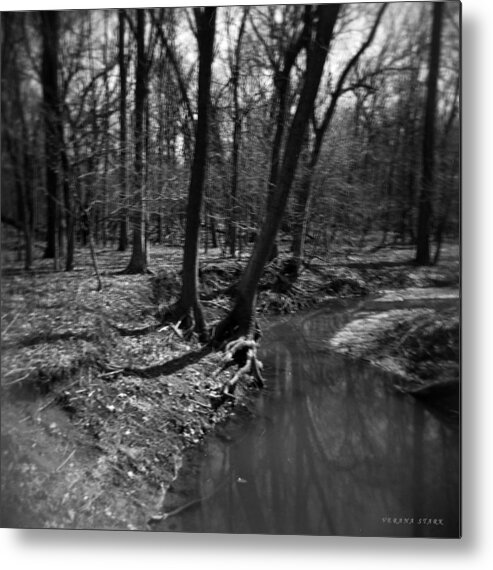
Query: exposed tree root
[243,352]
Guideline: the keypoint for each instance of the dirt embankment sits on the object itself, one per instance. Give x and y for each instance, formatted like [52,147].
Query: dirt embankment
[99,399]
[419,342]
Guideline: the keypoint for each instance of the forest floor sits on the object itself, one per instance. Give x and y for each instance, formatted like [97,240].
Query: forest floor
[100,399]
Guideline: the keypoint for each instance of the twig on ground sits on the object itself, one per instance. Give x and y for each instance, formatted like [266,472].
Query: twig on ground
[17,380]
[47,405]
[65,461]
[176,328]
[207,407]
[112,373]
[11,323]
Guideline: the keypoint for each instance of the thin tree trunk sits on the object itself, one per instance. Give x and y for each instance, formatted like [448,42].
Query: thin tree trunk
[69,213]
[212,229]
[27,200]
[49,74]
[86,220]
[235,80]
[281,84]
[23,209]
[123,225]
[301,214]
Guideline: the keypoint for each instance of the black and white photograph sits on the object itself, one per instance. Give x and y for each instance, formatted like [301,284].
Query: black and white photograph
[231,269]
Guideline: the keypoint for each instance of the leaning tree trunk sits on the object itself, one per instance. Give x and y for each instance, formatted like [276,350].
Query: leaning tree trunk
[240,321]
[424,213]
[188,309]
[281,83]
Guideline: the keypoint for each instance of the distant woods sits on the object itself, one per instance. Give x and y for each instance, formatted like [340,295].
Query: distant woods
[226,129]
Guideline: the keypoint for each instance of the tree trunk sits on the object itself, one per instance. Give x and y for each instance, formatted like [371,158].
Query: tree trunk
[240,320]
[301,214]
[212,230]
[281,85]
[446,198]
[106,137]
[424,213]
[49,78]
[28,217]
[86,221]
[235,80]
[189,300]
[24,205]
[69,210]
[138,260]
[26,180]
[123,226]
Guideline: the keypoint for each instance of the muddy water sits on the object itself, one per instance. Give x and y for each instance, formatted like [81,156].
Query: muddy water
[330,449]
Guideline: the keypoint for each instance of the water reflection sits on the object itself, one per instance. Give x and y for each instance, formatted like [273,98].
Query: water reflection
[332,450]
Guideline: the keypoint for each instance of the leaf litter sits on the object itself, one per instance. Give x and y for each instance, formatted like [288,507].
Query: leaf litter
[88,439]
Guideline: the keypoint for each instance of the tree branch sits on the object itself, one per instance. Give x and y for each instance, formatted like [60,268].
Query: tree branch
[174,62]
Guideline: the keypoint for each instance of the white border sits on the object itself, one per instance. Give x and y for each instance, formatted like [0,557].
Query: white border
[76,550]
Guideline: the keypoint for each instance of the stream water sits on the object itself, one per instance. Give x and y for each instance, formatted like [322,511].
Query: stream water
[330,448]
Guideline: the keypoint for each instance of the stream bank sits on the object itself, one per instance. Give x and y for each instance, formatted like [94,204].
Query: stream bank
[418,340]
[329,447]
[99,402]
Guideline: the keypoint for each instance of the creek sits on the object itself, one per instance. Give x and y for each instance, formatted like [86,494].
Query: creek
[328,448]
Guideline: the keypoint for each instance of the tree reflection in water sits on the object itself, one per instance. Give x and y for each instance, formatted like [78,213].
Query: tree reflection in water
[332,449]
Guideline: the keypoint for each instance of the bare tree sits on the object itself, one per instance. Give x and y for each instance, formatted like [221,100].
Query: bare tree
[49,78]
[282,66]
[139,259]
[14,122]
[240,321]
[237,121]
[188,309]
[303,194]
[123,230]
